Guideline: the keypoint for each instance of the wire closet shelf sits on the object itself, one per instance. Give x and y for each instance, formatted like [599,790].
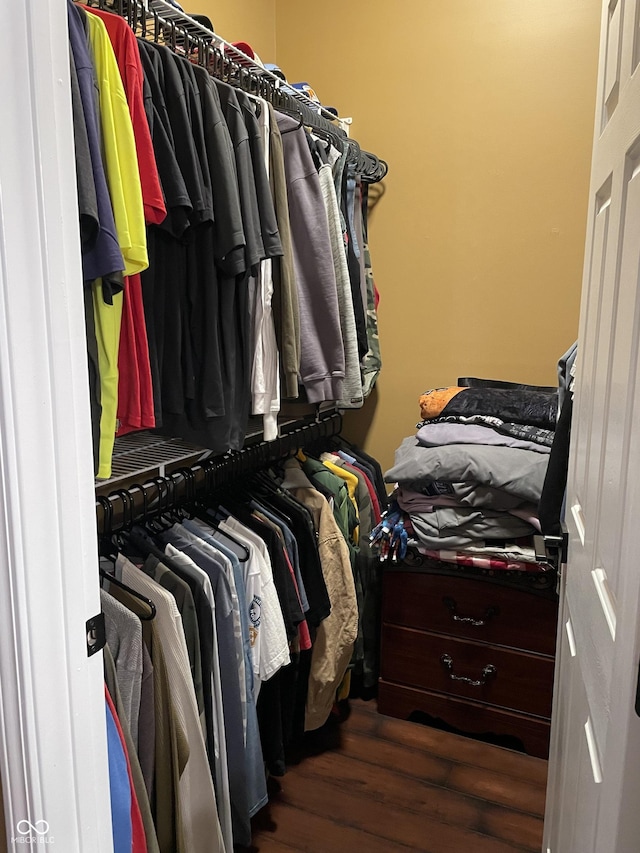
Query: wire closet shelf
[160,21]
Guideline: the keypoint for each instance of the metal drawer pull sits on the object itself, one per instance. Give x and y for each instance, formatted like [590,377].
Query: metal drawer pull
[488,671]
[452,607]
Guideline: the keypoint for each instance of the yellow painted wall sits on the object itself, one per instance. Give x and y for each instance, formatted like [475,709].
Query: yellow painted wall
[252,21]
[484,110]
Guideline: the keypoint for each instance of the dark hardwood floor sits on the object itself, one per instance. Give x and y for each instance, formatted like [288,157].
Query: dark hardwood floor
[374,784]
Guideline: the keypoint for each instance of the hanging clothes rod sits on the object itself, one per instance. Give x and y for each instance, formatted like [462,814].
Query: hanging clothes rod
[182,20]
[142,501]
[159,20]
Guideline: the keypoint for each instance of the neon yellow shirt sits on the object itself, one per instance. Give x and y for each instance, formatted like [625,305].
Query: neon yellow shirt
[125,190]
[108,319]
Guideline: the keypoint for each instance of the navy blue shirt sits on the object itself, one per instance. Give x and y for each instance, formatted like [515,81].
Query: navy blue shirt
[104,257]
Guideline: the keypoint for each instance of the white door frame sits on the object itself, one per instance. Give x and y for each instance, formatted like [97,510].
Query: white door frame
[53,755]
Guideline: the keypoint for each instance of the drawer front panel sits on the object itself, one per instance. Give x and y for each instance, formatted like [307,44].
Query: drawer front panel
[517,680]
[469,608]
[465,715]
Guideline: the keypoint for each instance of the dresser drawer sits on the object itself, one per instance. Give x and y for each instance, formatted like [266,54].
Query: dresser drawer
[519,680]
[470,608]
[465,715]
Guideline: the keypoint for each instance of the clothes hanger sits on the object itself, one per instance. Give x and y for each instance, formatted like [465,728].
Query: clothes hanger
[189,477]
[156,26]
[329,136]
[203,511]
[243,548]
[107,514]
[214,524]
[264,480]
[266,484]
[263,488]
[274,509]
[174,514]
[114,542]
[128,508]
[256,103]
[147,601]
[108,548]
[293,114]
[154,523]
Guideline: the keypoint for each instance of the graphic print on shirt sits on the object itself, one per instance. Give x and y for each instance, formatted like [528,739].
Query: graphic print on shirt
[255,610]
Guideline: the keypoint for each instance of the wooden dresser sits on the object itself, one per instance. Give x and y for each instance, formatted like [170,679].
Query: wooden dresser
[473,650]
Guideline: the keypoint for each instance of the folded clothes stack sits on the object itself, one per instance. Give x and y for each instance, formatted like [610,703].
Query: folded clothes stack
[468,483]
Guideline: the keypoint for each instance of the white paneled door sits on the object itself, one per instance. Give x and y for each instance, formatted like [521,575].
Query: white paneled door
[593,798]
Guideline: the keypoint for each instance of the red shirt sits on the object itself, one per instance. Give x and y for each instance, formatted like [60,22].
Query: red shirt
[135,389]
[125,48]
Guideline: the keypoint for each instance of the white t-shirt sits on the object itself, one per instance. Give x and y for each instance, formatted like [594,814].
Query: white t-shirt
[269,646]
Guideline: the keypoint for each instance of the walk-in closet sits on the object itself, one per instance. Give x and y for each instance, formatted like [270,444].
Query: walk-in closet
[318,378]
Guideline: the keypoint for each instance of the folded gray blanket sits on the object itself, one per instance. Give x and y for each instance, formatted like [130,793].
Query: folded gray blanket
[456,527]
[434,434]
[518,472]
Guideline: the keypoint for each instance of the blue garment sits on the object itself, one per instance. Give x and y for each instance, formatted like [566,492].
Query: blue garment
[231,698]
[211,538]
[254,762]
[120,789]
[104,257]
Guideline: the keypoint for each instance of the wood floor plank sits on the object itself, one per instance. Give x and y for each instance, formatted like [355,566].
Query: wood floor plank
[382,785]
[268,842]
[307,832]
[395,792]
[353,811]
[395,756]
[365,719]
[513,826]
[497,788]
[477,781]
